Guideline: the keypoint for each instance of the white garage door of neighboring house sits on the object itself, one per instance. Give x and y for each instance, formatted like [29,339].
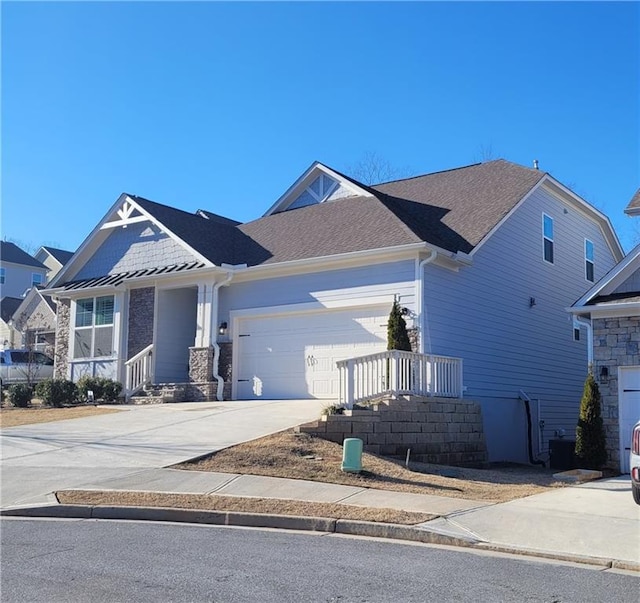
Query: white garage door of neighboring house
[294,356]
[628,410]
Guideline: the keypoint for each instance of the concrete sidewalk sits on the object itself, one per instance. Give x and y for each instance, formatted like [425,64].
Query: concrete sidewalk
[596,520]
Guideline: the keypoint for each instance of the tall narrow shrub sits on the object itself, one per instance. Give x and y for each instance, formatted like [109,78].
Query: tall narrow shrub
[397,336]
[591,450]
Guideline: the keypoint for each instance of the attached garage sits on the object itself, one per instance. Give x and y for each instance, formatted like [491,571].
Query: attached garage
[294,355]
[629,410]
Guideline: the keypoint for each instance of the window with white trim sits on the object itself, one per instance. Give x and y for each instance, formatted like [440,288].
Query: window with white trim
[589,261]
[93,332]
[547,238]
[36,279]
[2,276]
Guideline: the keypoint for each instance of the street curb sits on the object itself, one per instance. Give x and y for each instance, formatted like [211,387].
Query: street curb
[294,522]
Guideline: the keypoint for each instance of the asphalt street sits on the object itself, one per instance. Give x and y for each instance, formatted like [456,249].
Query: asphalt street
[107,561]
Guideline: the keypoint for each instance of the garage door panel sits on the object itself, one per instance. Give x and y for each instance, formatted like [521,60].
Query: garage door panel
[295,356]
[628,411]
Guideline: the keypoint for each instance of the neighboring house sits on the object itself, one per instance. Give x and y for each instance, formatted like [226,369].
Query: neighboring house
[35,320]
[483,258]
[19,271]
[611,312]
[54,259]
[10,337]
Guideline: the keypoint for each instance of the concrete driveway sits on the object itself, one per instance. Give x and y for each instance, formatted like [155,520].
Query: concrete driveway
[36,460]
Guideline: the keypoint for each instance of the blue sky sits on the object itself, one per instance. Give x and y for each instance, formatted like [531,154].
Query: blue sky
[221,106]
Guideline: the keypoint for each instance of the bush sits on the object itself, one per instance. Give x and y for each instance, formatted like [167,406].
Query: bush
[397,336]
[111,390]
[56,392]
[19,395]
[103,389]
[591,451]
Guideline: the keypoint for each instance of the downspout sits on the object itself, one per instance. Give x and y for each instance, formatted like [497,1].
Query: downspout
[214,337]
[585,322]
[420,297]
[527,407]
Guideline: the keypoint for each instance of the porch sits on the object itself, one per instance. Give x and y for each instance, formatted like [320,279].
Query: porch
[396,373]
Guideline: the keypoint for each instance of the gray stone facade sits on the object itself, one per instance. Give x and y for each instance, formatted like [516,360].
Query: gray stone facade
[443,431]
[201,387]
[63,332]
[615,343]
[140,328]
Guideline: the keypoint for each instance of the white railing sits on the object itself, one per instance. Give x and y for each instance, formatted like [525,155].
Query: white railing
[138,371]
[398,373]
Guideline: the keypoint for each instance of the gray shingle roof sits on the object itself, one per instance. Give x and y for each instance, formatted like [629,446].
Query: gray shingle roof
[59,254]
[453,210]
[10,252]
[634,204]
[8,306]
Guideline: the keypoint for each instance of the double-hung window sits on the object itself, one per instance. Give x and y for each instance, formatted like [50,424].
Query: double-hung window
[93,333]
[589,261]
[36,279]
[547,238]
[2,275]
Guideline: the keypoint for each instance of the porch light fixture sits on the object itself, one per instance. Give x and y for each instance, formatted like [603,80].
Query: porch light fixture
[222,329]
[604,374]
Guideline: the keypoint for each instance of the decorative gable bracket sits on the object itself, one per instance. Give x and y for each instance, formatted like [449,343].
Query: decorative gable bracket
[127,214]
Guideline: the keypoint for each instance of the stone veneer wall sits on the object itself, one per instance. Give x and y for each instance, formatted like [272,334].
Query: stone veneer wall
[437,430]
[141,307]
[616,343]
[63,326]
[225,370]
[200,386]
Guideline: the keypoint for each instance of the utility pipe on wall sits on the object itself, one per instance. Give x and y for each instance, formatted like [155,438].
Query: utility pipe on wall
[214,336]
[420,298]
[587,324]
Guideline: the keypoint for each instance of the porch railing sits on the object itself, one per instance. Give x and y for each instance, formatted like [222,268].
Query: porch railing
[138,371]
[399,373]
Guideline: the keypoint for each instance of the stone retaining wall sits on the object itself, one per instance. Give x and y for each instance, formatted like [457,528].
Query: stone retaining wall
[437,430]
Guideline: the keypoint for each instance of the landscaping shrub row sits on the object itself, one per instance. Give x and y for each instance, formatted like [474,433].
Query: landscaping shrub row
[58,392]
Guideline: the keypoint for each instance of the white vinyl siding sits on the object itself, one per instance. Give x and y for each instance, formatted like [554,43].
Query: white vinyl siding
[589,260]
[336,287]
[93,332]
[482,314]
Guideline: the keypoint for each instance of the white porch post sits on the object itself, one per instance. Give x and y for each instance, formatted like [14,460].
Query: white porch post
[204,322]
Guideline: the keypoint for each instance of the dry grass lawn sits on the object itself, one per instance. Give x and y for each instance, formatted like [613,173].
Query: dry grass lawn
[13,417]
[240,504]
[301,456]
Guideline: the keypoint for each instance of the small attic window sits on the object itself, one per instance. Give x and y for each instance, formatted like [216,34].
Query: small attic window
[317,192]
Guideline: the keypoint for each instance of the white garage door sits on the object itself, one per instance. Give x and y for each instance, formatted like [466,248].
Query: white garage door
[628,411]
[294,356]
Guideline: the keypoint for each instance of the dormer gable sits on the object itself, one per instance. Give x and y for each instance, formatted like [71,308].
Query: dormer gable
[318,184]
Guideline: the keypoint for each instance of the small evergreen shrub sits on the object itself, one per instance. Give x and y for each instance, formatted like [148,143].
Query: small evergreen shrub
[103,389]
[333,409]
[57,392]
[397,336]
[86,384]
[111,390]
[19,395]
[591,452]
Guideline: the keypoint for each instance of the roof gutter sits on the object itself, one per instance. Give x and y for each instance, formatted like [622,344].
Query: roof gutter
[585,322]
[420,305]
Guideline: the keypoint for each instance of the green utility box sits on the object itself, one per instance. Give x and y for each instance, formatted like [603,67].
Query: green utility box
[352,455]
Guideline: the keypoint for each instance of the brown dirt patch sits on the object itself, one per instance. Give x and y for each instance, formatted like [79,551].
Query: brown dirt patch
[13,417]
[302,456]
[213,502]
